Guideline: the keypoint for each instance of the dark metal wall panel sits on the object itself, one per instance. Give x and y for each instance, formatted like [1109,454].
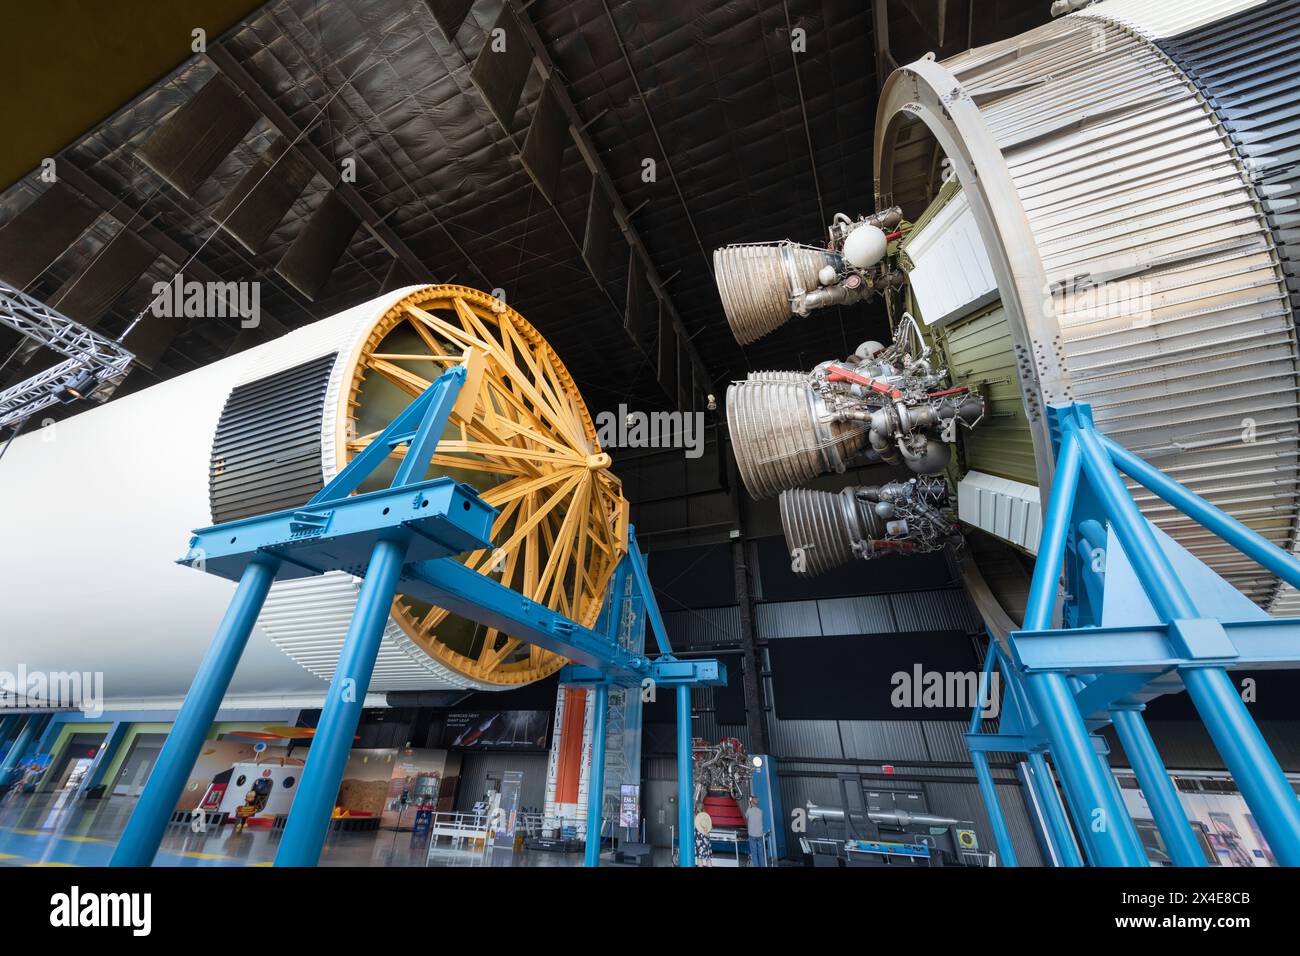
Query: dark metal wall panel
[1247,66]
[805,738]
[945,740]
[264,194]
[868,614]
[33,239]
[962,801]
[192,142]
[947,609]
[477,768]
[266,455]
[310,258]
[88,294]
[501,68]
[894,740]
[787,619]
[703,627]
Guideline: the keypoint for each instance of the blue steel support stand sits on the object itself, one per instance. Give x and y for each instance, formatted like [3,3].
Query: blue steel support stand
[406,535]
[304,834]
[1154,621]
[19,748]
[596,777]
[144,831]
[7,726]
[665,673]
[1049,800]
[685,780]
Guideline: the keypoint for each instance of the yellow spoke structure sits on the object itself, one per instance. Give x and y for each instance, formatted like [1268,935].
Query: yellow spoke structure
[526,443]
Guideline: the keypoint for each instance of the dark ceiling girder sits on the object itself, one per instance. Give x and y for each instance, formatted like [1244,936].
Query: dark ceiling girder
[885,62]
[221,58]
[167,247]
[590,155]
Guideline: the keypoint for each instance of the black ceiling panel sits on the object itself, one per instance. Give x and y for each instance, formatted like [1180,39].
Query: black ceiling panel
[32,240]
[187,148]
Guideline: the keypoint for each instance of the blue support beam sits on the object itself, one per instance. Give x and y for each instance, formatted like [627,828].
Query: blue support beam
[309,818]
[1162,796]
[407,536]
[596,777]
[26,734]
[1049,802]
[1170,624]
[1001,835]
[144,831]
[685,779]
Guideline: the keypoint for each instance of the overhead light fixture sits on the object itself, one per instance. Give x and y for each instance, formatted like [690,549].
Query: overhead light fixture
[78,387]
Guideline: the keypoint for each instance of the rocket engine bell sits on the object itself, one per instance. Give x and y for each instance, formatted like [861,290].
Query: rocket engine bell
[1138,259]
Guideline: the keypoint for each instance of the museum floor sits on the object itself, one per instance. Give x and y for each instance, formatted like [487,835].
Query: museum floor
[44,830]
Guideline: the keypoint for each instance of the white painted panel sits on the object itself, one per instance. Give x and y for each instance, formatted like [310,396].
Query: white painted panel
[1004,508]
[951,271]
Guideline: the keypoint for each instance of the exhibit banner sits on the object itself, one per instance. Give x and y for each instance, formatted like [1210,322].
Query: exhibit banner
[498,730]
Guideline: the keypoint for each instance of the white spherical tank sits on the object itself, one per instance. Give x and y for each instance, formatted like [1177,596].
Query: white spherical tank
[865,246]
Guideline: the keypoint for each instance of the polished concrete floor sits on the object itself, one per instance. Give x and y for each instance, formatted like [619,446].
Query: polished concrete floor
[51,830]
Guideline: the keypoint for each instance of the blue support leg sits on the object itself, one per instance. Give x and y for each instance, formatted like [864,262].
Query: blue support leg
[1001,835]
[144,831]
[1125,818]
[1099,815]
[1162,797]
[1252,765]
[7,726]
[596,777]
[26,734]
[1049,799]
[309,818]
[685,780]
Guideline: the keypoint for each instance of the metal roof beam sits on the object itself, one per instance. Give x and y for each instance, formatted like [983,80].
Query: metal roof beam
[591,156]
[371,221]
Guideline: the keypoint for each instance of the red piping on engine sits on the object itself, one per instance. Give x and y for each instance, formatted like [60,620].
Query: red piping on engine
[840,374]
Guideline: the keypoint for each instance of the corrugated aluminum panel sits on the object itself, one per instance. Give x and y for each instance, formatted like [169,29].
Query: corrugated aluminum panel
[1163,19]
[942,610]
[867,614]
[962,801]
[704,627]
[1165,283]
[1247,67]
[787,619]
[946,740]
[266,452]
[805,738]
[892,740]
